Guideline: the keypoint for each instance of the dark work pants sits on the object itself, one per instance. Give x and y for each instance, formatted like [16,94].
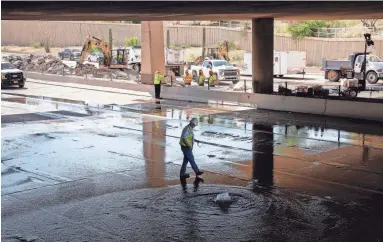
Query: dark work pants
[157,90]
[188,158]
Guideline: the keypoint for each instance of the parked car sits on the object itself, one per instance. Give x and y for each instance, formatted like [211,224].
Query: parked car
[70,54]
[10,75]
[95,57]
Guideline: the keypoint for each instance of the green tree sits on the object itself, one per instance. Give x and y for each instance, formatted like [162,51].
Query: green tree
[132,41]
[370,24]
[308,28]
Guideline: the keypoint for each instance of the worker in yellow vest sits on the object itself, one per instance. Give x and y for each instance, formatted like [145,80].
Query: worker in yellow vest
[188,78]
[212,78]
[201,78]
[157,84]
[186,142]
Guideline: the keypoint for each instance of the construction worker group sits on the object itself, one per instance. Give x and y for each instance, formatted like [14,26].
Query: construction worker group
[201,78]
[158,77]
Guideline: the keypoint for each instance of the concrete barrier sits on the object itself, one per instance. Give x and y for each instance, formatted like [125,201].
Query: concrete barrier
[337,108]
[351,109]
[92,82]
[262,101]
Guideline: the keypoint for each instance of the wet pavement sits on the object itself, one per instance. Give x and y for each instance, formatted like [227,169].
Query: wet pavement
[77,170]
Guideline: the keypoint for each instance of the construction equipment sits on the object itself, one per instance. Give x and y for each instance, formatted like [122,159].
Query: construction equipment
[221,52]
[349,88]
[305,91]
[115,59]
[215,53]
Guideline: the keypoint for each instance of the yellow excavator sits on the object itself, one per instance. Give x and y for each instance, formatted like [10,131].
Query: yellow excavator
[221,52]
[115,59]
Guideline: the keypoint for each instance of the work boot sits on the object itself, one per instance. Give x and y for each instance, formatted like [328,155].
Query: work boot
[186,175]
[199,173]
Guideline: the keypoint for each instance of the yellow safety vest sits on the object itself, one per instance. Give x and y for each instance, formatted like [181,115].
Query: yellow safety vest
[212,80]
[189,138]
[188,79]
[202,80]
[158,78]
[211,119]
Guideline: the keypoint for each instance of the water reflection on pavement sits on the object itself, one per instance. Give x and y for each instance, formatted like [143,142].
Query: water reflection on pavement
[112,174]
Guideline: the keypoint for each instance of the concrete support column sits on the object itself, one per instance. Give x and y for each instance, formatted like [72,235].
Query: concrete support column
[152,54]
[263,55]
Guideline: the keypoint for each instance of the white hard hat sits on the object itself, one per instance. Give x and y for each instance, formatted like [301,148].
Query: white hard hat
[194,121]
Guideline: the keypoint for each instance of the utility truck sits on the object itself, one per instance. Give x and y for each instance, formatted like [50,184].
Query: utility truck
[285,62]
[174,59]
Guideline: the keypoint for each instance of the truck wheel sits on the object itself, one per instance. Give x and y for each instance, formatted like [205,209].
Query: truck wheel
[137,67]
[280,76]
[353,94]
[21,85]
[333,76]
[372,77]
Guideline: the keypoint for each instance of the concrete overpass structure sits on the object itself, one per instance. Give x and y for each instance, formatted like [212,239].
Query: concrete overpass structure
[261,13]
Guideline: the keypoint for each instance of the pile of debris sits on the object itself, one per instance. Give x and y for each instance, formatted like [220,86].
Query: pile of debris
[54,65]
[48,64]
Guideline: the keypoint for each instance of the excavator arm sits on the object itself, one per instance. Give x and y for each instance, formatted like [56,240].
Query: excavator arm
[224,51]
[95,42]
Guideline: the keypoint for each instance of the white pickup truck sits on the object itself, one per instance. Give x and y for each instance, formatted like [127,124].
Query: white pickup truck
[224,70]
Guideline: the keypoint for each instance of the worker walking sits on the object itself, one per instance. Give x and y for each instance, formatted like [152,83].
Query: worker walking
[157,84]
[186,142]
[188,78]
[212,78]
[201,78]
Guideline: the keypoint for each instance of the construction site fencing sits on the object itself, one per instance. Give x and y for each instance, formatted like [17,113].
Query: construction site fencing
[72,34]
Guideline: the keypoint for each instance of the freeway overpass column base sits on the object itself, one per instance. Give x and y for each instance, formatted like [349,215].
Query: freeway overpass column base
[263,54]
[152,54]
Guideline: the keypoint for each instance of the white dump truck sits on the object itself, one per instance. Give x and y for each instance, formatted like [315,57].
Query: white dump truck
[174,59]
[352,68]
[225,71]
[285,62]
[134,57]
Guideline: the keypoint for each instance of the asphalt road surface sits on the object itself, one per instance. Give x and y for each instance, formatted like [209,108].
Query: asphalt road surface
[84,163]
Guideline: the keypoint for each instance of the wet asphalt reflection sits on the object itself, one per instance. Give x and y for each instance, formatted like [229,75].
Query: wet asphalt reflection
[291,177]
